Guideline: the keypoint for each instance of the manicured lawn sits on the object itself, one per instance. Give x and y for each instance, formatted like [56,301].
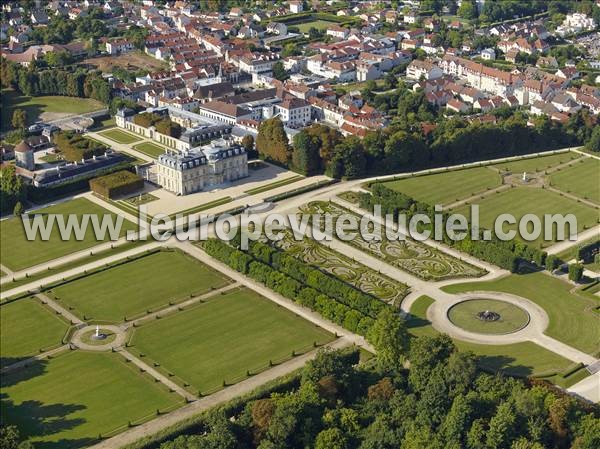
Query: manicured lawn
[223,338]
[22,280]
[70,400]
[519,201]
[464,315]
[519,359]
[274,185]
[318,24]
[19,253]
[572,319]
[142,284]
[34,106]
[120,136]
[28,326]
[582,179]
[447,187]
[536,164]
[150,149]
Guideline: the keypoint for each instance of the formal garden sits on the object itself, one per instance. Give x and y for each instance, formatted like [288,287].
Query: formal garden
[415,258]
[572,315]
[518,359]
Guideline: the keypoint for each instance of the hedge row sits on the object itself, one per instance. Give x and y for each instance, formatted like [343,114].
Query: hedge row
[74,147]
[505,254]
[117,184]
[309,294]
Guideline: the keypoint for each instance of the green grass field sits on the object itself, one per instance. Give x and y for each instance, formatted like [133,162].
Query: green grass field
[35,106]
[150,149]
[139,285]
[519,201]
[536,164]
[69,401]
[572,319]
[447,187]
[464,315]
[224,337]
[581,180]
[318,24]
[518,359]
[19,253]
[120,136]
[28,326]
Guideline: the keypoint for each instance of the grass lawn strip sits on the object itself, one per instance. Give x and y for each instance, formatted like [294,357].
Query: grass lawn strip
[274,185]
[225,337]
[519,201]
[28,328]
[447,187]
[120,136]
[149,149]
[136,286]
[581,180]
[518,359]
[536,164]
[571,315]
[19,253]
[70,400]
[73,264]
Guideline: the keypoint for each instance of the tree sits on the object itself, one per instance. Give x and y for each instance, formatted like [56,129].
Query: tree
[279,71]
[593,144]
[467,10]
[389,337]
[305,156]
[348,160]
[552,262]
[331,439]
[19,119]
[12,189]
[272,141]
[575,272]
[501,429]
[18,210]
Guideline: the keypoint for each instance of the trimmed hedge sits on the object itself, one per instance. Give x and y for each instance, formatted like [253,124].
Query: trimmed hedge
[74,147]
[117,184]
[163,125]
[302,283]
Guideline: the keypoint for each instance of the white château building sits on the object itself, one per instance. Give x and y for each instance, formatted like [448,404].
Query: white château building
[191,171]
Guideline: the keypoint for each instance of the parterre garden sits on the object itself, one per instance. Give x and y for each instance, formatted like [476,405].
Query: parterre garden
[354,273]
[411,256]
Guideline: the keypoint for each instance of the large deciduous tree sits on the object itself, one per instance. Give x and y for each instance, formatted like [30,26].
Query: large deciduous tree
[272,141]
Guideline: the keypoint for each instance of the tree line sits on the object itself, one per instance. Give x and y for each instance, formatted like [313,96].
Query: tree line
[54,81]
[403,145]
